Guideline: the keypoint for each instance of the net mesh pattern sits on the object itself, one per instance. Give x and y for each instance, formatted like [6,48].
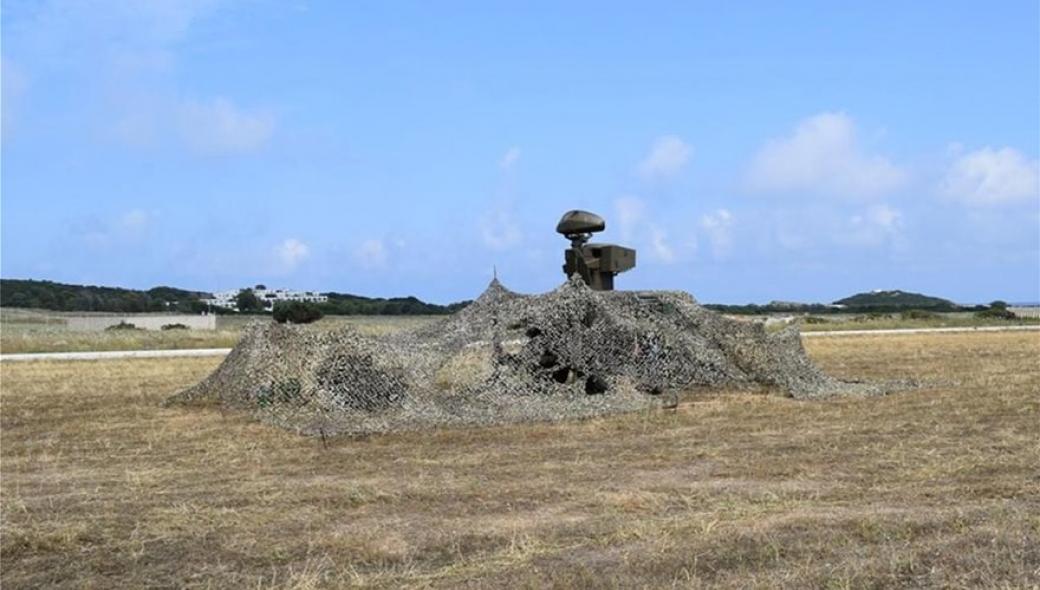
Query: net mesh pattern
[570,353]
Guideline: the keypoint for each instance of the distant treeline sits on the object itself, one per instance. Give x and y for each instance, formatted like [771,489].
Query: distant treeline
[345,304]
[756,309]
[65,297]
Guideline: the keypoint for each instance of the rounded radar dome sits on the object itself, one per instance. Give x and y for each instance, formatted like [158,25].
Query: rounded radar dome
[580,222]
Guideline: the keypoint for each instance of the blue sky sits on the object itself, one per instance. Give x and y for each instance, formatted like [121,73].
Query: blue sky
[749,151]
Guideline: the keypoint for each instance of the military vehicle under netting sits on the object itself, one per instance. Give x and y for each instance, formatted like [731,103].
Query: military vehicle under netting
[580,350]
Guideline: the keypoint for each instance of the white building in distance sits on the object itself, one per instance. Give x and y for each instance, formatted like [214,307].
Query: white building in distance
[229,299]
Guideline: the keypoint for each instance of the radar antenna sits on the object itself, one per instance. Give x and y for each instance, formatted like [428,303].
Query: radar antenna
[597,264]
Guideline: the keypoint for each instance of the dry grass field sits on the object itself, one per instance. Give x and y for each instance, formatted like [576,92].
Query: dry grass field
[895,322]
[39,336]
[27,331]
[13,341]
[934,487]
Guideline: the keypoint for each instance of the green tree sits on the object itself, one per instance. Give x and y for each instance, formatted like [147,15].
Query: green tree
[247,301]
[296,312]
[998,304]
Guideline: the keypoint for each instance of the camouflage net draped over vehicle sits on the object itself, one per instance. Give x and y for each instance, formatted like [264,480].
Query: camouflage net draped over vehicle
[569,353]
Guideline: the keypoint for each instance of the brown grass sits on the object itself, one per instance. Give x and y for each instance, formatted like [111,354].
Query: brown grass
[895,322]
[43,335]
[13,340]
[933,487]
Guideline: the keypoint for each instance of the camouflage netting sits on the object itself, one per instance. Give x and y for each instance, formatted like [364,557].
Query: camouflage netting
[569,353]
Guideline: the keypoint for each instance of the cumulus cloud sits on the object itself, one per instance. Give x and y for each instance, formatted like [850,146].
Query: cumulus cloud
[884,217]
[120,231]
[126,53]
[509,159]
[991,177]
[219,127]
[717,226]
[372,253]
[499,229]
[874,226]
[134,221]
[667,158]
[823,156]
[68,30]
[291,253]
[629,212]
[637,229]
[14,86]
[659,243]
[791,238]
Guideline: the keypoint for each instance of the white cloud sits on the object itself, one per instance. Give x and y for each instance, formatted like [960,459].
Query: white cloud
[500,230]
[791,238]
[127,229]
[164,21]
[637,229]
[126,54]
[884,217]
[659,242]
[990,177]
[291,253]
[14,86]
[509,159]
[72,28]
[134,221]
[875,226]
[629,214]
[823,156]
[372,253]
[718,227]
[667,158]
[219,127]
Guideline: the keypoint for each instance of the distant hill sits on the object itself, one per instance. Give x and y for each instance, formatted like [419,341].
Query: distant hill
[66,297]
[895,299]
[872,302]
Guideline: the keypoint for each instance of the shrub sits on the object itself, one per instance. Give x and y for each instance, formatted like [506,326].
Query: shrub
[872,317]
[121,326]
[813,319]
[296,312]
[174,327]
[918,314]
[996,313]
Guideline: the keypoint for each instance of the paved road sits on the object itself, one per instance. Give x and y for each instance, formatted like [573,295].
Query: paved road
[144,354]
